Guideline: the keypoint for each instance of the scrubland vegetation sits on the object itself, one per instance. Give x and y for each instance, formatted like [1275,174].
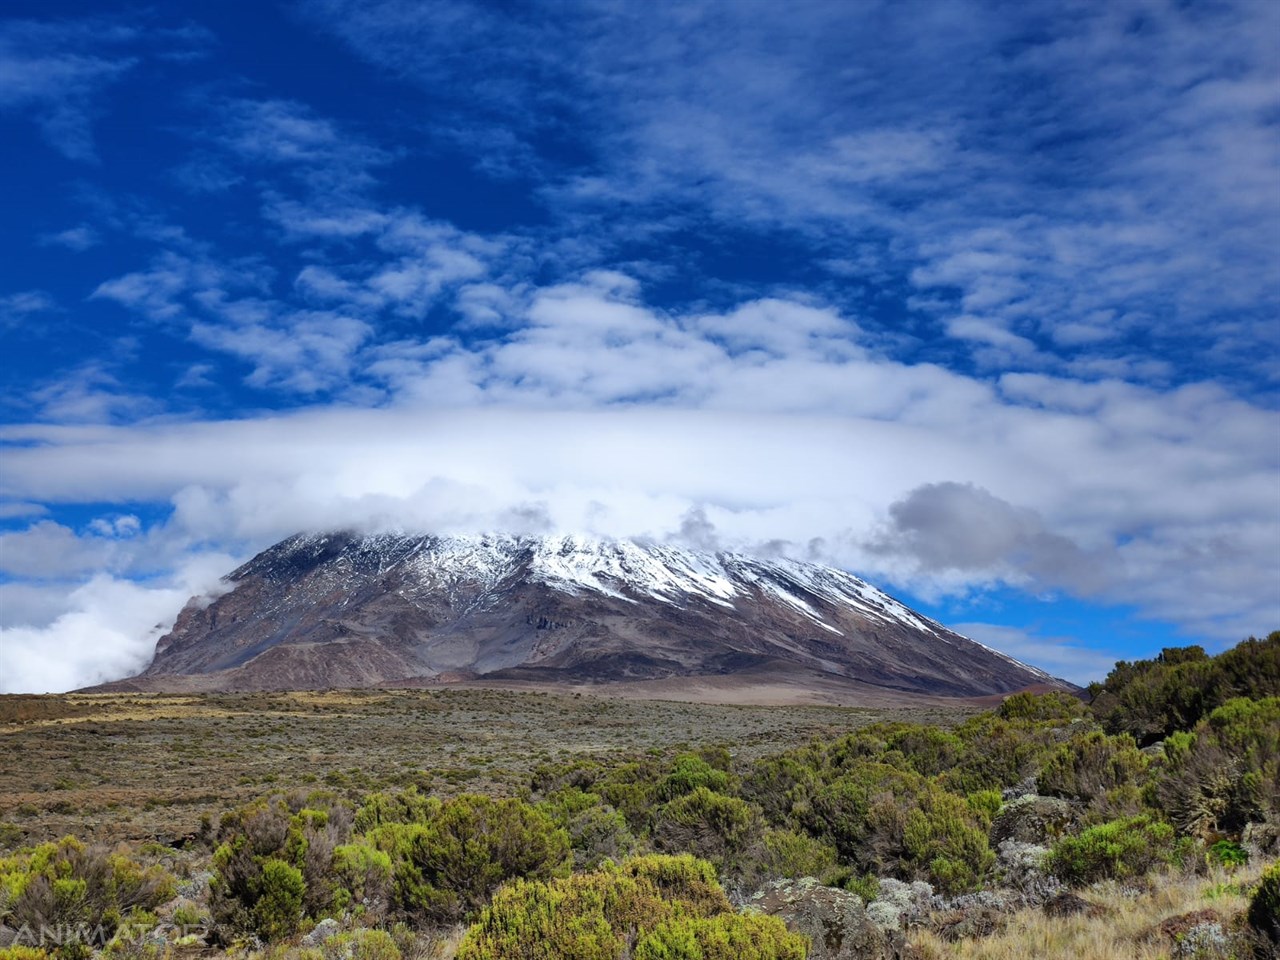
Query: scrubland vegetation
[1146,824]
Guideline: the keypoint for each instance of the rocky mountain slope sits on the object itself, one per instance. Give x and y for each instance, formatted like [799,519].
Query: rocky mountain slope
[346,610]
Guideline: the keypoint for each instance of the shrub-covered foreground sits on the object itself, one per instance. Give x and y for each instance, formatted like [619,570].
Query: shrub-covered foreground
[1174,770]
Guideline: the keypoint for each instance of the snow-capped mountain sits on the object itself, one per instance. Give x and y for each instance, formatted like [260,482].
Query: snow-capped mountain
[347,610]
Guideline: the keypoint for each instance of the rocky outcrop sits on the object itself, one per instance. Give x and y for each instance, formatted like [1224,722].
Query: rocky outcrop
[835,921]
[1033,819]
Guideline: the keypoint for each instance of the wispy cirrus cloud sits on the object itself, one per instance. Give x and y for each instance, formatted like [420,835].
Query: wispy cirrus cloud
[1118,155]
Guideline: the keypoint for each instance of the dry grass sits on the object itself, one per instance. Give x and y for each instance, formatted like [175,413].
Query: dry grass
[137,766]
[1128,929]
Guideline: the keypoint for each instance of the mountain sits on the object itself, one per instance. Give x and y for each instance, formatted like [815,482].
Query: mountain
[346,610]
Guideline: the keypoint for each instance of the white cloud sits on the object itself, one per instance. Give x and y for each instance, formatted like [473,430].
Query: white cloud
[78,238]
[106,629]
[1060,656]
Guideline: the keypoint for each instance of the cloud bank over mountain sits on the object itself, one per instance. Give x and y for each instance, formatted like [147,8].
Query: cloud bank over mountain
[976,302]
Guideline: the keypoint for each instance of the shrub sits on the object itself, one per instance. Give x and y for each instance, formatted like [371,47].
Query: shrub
[448,866]
[998,752]
[1122,848]
[1229,853]
[1264,906]
[1226,773]
[404,806]
[1151,699]
[1045,706]
[945,844]
[708,825]
[71,885]
[727,936]
[362,944]
[597,832]
[927,750]
[22,953]
[1090,766]
[298,831]
[363,878]
[790,854]
[631,789]
[781,785]
[592,916]
[690,772]
[277,900]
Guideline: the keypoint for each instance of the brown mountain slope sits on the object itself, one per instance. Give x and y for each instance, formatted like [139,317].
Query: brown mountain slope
[343,610]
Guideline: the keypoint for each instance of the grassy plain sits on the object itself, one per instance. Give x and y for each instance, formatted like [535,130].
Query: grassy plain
[143,766]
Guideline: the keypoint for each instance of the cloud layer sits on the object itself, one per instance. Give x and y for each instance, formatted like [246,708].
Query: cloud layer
[969,297]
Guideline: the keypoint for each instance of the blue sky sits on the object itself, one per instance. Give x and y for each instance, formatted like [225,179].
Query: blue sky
[976,299]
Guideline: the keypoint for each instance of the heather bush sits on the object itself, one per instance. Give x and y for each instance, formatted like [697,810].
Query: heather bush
[691,772]
[926,750]
[295,834]
[1151,699]
[999,753]
[448,866]
[1264,905]
[277,900]
[709,825]
[363,879]
[894,821]
[1226,773]
[1116,850]
[790,854]
[781,785]
[944,843]
[602,915]
[632,789]
[68,884]
[597,832]
[1093,768]
[362,944]
[403,806]
[726,936]
[1055,705]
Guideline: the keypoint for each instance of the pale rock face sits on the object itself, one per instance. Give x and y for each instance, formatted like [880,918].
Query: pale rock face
[341,609]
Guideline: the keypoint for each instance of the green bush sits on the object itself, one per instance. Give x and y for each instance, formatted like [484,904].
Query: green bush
[592,916]
[1226,773]
[1151,699]
[363,878]
[1228,853]
[1044,706]
[632,789]
[927,750]
[999,753]
[791,854]
[69,884]
[449,865]
[690,772]
[782,785]
[298,831]
[1092,766]
[404,806]
[727,936]
[277,900]
[708,825]
[1264,906]
[1122,848]
[945,844]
